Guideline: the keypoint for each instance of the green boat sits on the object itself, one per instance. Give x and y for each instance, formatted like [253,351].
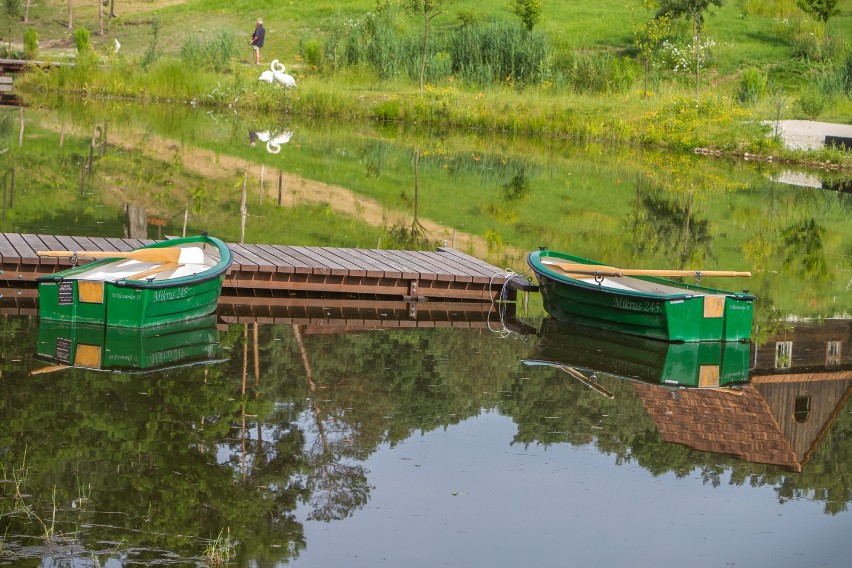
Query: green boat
[128,349]
[584,351]
[165,282]
[578,290]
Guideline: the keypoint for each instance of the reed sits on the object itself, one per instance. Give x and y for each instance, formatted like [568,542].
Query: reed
[220,550]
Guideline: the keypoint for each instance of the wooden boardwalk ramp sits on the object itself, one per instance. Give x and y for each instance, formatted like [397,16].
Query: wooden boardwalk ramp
[272,272]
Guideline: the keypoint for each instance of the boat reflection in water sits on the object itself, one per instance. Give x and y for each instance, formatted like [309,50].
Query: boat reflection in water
[590,350]
[124,349]
[775,413]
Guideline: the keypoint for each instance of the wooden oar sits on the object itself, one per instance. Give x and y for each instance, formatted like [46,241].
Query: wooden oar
[152,271]
[49,369]
[602,270]
[172,255]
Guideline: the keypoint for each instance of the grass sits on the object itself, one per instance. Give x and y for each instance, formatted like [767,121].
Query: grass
[747,34]
[220,550]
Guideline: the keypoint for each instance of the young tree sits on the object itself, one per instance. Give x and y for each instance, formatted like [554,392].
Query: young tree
[692,10]
[529,11]
[429,10]
[13,11]
[647,37]
[822,10]
[27,11]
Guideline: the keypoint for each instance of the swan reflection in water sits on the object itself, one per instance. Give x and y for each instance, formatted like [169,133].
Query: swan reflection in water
[276,73]
[273,140]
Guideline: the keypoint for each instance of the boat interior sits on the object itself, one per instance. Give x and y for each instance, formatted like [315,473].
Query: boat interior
[132,269]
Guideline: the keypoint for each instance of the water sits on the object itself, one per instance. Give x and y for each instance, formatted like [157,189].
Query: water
[310,446]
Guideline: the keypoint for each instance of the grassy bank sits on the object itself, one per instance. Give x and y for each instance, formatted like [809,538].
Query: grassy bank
[577,74]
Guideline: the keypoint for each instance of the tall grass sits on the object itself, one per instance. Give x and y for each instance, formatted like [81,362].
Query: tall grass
[214,54]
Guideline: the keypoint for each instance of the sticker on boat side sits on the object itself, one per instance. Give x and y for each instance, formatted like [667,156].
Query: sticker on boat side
[65,293]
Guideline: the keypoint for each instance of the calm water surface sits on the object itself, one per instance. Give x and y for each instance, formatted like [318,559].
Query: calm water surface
[323,441]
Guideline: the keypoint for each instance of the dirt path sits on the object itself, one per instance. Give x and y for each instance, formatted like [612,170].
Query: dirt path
[809,134]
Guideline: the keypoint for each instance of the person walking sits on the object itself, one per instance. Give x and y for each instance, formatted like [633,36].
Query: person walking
[257,40]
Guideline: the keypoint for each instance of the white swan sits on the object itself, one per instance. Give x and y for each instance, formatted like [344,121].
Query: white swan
[273,141]
[284,78]
[276,73]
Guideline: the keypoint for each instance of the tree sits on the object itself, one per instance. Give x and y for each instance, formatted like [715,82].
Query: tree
[647,38]
[822,10]
[529,11]
[429,10]
[27,11]
[13,10]
[692,10]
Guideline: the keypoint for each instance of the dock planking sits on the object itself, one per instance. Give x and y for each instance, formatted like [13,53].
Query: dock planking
[264,269]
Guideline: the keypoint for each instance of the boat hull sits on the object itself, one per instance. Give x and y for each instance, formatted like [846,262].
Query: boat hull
[69,296]
[686,313]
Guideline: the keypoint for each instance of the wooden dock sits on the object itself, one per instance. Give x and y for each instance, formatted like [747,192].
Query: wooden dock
[267,275]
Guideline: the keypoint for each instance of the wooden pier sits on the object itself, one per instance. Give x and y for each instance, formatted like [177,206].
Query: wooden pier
[296,284]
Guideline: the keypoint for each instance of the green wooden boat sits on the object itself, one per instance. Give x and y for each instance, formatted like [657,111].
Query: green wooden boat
[642,305]
[707,364]
[165,282]
[128,349]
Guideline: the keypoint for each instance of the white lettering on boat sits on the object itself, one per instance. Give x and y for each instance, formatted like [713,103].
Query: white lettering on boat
[120,295]
[168,294]
[637,305]
[739,307]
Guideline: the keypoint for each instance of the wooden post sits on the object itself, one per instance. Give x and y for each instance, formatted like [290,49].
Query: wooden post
[185,219]
[21,132]
[280,186]
[243,211]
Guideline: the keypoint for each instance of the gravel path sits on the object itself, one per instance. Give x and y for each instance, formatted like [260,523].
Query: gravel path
[808,134]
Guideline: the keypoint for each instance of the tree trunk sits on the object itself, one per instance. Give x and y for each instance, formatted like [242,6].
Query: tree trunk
[100,17]
[425,49]
[70,18]
[27,12]
[111,8]
[696,38]
[645,88]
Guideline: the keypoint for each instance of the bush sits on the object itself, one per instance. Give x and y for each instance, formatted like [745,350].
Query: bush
[30,43]
[311,52]
[388,111]
[752,86]
[599,73]
[812,103]
[81,40]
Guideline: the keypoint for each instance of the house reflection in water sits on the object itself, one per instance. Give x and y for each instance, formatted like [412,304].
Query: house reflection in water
[801,381]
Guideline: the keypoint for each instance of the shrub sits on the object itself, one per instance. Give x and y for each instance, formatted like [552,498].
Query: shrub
[310,51]
[81,40]
[752,86]
[599,73]
[30,43]
[388,111]
[812,103]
